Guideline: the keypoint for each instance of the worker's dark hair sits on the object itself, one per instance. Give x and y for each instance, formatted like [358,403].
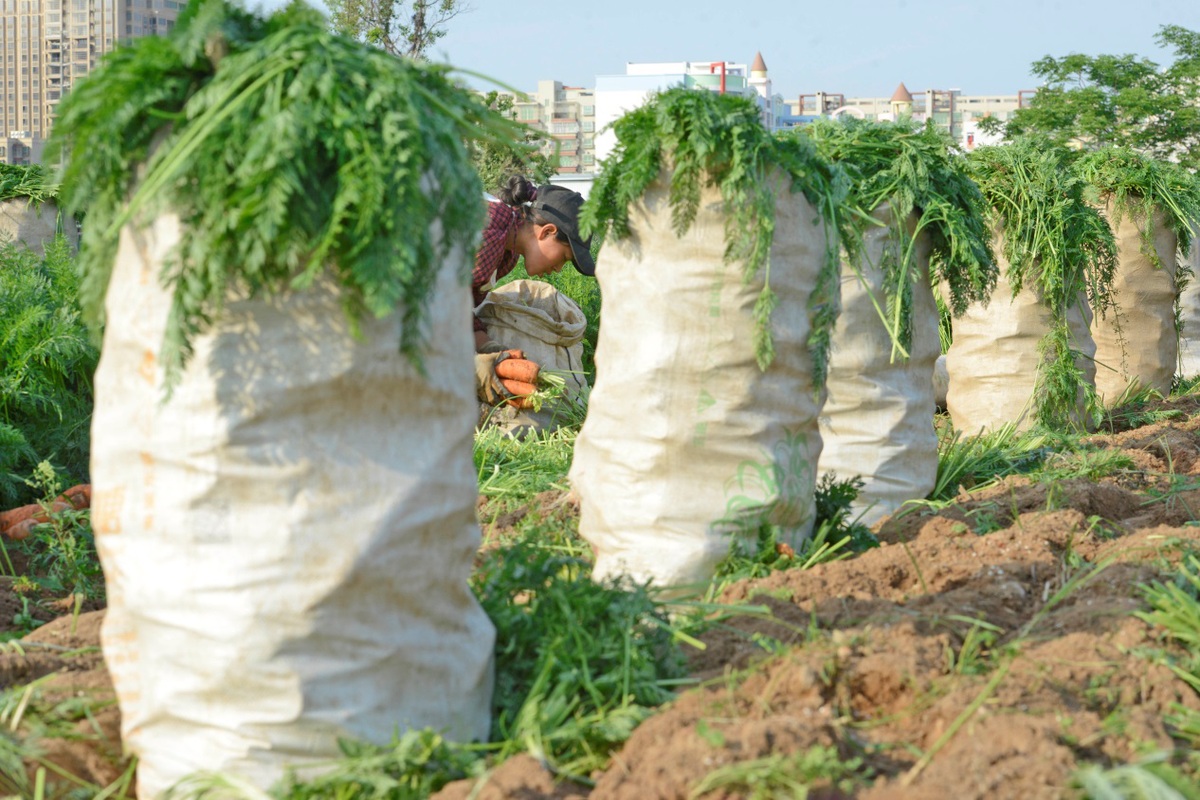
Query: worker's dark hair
[520,190]
[517,191]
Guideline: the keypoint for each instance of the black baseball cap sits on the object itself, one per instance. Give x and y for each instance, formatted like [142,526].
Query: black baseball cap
[560,205]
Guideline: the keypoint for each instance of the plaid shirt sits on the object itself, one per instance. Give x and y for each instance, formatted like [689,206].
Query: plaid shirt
[492,260]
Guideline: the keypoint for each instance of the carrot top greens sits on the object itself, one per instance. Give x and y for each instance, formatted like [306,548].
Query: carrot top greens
[1139,187]
[1055,244]
[287,151]
[917,171]
[710,139]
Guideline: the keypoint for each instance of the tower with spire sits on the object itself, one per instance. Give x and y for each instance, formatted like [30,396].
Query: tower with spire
[761,84]
[902,102]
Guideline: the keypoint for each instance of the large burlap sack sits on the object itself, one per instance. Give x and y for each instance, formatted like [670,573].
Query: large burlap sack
[1189,313]
[687,443]
[33,225]
[1136,342]
[994,365]
[535,317]
[287,539]
[877,423]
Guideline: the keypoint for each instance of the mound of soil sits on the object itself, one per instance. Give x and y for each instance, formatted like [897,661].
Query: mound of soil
[71,719]
[988,649]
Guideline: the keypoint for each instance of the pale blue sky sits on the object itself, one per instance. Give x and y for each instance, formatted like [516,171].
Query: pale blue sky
[854,47]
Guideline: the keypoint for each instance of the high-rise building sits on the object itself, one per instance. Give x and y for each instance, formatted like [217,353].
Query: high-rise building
[47,45]
[567,116]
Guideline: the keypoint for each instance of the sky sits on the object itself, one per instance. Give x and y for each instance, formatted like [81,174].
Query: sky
[853,47]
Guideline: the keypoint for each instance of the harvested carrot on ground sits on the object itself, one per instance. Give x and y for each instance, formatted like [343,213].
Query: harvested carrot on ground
[19,522]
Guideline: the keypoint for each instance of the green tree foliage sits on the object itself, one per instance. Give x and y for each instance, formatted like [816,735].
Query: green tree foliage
[496,160]
[1097,101]
[395,26]
[46,365]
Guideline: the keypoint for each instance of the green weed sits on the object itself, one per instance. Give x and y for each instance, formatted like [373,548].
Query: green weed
[62,552]
[1150,779]
[1136,407]
[790,777]
[976,461]
[518,469]
[29,716]
[1175,608]
[973,656]
[578,664]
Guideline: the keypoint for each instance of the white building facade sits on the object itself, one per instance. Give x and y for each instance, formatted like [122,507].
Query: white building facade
[618,94]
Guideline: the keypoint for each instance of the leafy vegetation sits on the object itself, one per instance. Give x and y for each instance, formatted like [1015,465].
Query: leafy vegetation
[30,182]
[62,552]
[708,139]
[579,664]
[289,153]
[1120,100]
[1056,245]
[1141,188]
[918,173]
[46,366]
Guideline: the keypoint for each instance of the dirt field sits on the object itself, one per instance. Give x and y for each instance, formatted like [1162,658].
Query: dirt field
[983,651]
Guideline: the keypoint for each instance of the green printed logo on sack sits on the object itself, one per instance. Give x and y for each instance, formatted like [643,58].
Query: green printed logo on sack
[776,491]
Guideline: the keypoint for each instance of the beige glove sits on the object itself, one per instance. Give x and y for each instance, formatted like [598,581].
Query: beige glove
[505,376]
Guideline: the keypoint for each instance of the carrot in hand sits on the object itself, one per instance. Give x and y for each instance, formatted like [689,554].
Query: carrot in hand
[514,369]
[521,392]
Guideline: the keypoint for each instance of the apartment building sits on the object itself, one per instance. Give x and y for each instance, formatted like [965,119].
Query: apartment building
[951,110]
[46,45]
[567,115]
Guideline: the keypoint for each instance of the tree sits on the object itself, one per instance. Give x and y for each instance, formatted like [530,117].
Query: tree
[1094,101]
[496,163]
[399,27]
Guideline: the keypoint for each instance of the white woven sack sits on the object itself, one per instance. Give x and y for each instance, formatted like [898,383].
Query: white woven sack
[34,225]
[287,539]
[1136,343]
[877,423]
[535,317]
[687,442]
[993,364]
[1189,307]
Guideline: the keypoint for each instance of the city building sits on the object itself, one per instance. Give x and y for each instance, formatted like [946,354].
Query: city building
[567,116]
[950,109]
[617,94]
[46,45]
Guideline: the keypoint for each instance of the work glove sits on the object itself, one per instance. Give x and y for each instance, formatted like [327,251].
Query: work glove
[506,376]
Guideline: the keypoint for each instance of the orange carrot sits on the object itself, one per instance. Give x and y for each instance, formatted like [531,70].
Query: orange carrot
[515,369]
[23,528]
[522,391]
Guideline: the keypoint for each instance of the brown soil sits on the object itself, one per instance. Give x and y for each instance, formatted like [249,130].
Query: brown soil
[984,651]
